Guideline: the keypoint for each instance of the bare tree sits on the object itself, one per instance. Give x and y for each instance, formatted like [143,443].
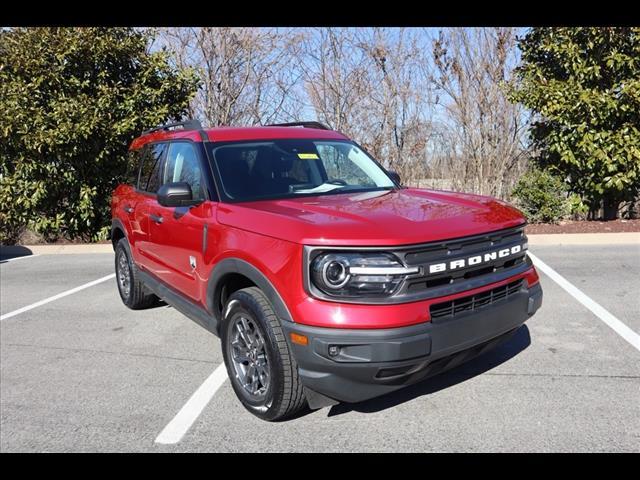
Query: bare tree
[334,75]
[366,83]
[483,132]
[399,110]
[245,72]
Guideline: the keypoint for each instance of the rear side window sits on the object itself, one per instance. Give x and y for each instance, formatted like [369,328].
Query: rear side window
[183,165]
[149,180]
[133,167]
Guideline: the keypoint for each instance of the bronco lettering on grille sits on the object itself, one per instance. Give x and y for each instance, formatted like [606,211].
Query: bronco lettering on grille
[475,260]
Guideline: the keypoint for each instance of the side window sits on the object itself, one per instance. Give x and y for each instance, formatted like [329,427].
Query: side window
[133,166]
[182,165]
[149,180]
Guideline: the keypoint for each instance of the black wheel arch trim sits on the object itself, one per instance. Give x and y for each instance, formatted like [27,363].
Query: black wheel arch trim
[242,267]
[116,224]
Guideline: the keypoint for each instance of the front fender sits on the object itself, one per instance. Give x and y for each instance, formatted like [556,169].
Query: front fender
[237,265]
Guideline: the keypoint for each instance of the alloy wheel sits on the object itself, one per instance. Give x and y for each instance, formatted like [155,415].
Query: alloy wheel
[249,357]
[124,275]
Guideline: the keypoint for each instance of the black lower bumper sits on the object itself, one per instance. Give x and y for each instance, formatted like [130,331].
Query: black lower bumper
[356,365]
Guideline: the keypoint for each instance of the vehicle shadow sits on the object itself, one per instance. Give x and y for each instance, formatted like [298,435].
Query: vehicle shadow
[13,251]
[520,340]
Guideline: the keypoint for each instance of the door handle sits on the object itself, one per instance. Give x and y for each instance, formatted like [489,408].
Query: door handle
[155,218]
[128,209]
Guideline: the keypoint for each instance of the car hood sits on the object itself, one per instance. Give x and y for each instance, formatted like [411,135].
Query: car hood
[394,217]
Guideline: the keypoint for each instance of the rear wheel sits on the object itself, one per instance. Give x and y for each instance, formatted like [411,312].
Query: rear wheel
[263,373]
[132,291]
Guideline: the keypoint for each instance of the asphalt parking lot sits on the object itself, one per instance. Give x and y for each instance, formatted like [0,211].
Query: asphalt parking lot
[84,373]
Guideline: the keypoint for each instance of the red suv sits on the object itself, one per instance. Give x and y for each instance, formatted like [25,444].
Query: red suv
[326,280]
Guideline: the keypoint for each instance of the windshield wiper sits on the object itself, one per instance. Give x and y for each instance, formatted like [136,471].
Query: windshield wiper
[325,187]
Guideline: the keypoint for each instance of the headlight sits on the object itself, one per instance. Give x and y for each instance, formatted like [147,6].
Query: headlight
[356,275]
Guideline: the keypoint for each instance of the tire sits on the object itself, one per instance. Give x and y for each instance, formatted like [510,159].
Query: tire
[136,296]
[279,394]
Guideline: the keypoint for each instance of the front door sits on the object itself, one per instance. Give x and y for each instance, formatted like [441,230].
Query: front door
[178,233]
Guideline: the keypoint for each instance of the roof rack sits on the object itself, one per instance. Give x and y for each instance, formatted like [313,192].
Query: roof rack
[318,125]
[190,124]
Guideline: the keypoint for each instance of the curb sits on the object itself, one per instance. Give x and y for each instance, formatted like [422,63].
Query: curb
[623,238]
[620,238]
[20,250]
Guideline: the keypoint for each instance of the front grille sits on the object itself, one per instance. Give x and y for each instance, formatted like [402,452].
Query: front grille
[460,276]
[462,248]
[474,302]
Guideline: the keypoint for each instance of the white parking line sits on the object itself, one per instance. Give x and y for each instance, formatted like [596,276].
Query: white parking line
[176,428]
[56,297]
[599,311]
[4,260]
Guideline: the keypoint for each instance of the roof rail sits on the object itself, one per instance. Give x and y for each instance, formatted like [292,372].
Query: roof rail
[190,124]
[318,125]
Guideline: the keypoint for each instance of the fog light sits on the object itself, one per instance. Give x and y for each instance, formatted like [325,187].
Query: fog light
[334,350]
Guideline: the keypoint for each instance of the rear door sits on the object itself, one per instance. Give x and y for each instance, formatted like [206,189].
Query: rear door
[178,237]
[148,184]
[128,197]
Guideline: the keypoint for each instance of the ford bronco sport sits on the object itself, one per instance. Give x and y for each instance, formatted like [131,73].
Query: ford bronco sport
[326,280]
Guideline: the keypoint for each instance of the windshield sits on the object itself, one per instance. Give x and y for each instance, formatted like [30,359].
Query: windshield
[289,168]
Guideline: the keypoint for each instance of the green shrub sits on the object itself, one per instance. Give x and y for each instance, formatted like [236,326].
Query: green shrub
[71,101]
[541,196]
[578,208]
[583,86]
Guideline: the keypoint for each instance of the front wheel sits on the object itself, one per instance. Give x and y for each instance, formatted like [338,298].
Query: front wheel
[263,373]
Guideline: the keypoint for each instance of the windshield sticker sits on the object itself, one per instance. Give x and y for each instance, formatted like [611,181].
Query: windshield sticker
[308,156]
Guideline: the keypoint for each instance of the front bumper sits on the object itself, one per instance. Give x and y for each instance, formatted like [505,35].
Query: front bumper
[366,363]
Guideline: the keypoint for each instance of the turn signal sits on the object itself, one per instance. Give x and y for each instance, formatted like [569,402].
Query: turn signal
[299,339]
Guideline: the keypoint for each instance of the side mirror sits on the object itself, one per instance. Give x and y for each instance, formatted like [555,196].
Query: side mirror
[394,176]
[176,194]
